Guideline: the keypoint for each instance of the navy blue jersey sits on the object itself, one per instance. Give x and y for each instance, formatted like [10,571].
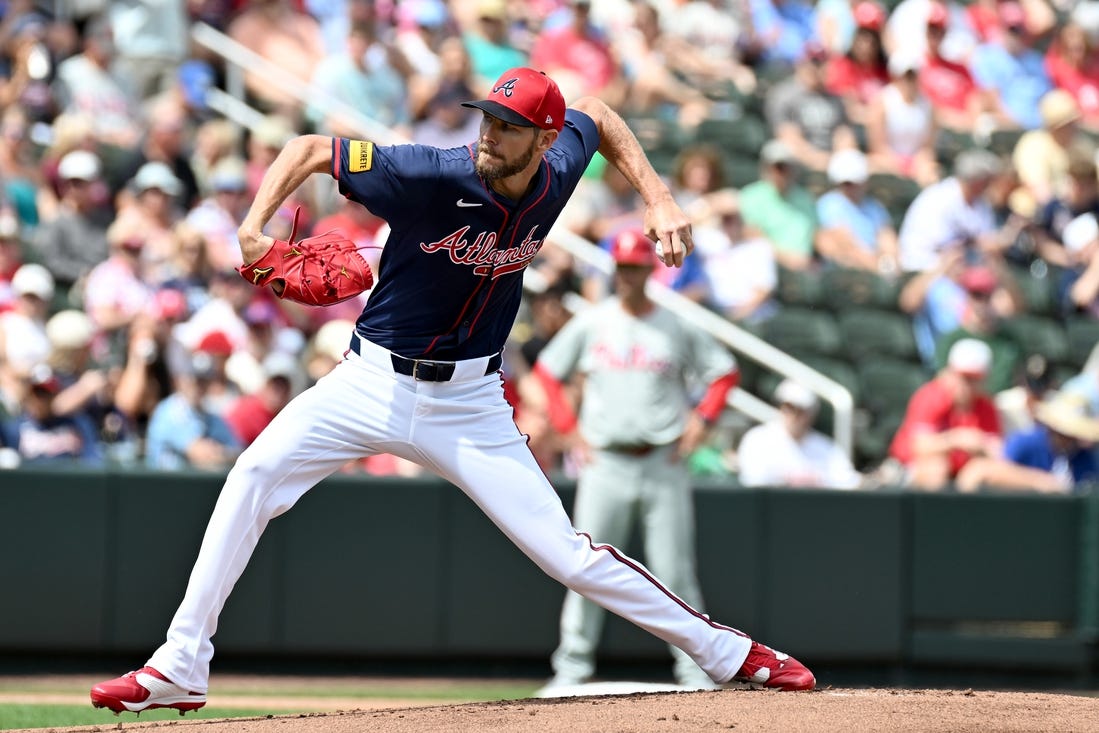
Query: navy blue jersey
[451,273]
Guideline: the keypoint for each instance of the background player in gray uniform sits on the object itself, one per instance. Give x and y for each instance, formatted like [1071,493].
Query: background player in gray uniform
[636,428]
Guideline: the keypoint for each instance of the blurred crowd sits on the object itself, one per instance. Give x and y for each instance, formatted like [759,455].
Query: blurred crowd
[945,151]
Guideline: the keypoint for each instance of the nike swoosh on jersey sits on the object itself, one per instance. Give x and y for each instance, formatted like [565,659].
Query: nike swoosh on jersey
[468,203]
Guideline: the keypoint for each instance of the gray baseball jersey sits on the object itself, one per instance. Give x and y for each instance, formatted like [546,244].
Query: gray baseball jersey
[637,371]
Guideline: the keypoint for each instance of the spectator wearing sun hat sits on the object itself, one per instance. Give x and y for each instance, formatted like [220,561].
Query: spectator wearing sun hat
[856,230]
[1056,455]
[71,334]
[1041,157]
[948,420]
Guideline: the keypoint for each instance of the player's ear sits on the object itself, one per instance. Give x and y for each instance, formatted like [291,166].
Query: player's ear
[546,139]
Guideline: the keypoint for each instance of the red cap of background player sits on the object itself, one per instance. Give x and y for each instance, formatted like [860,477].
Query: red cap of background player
[525,97]
[632,247]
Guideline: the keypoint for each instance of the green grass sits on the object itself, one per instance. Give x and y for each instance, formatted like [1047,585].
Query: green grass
[58,716]
[53,715]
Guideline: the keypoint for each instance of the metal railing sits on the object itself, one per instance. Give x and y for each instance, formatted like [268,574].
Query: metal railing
[240,59]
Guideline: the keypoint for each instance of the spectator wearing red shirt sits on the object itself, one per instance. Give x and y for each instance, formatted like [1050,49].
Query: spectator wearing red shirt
[579,57]
[859,75]
[1072,63]
[249,414]
[11,256]
[949,420]
[948,85]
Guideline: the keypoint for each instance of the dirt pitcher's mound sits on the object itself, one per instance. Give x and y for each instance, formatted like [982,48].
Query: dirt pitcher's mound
[739,710]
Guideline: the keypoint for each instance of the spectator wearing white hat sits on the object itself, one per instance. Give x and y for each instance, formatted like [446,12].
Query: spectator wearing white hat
[951,213]
[75,240]
[787,451]
[218,215]
[166,140]
[23,341]
[781,208]
[1080,280]
[154,210]
[901,127]
[856,230]
[949,420]
[1066,225]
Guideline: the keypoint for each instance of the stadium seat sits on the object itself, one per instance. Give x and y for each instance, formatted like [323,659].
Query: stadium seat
[742,135]
[803,332]
[740,169]
[1040,335]
[872,442]
[661,140]
[844,288]
[1038,291]
[798,287]
[1082,333]
[1002,142]
[894,192]
[886,384]
[868,333]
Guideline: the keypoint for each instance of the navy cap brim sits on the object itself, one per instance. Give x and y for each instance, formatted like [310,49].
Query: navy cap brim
[498,110]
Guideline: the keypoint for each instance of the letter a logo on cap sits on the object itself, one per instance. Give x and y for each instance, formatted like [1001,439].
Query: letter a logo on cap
[507,87]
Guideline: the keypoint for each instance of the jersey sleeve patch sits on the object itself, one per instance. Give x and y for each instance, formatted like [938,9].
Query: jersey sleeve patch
[360,156]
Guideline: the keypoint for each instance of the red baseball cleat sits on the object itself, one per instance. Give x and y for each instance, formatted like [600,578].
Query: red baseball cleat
[767,667]
[144,689]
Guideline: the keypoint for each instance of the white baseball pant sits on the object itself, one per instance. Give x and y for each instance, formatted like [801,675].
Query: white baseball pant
[463,431]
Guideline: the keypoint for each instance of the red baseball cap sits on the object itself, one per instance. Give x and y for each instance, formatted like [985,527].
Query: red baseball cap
[1012,15]
[632,247]
[869,15]
[526,97]
[938,15]
[980,280]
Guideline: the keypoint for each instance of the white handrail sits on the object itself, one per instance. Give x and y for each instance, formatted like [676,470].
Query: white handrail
[240,56]
[743,342]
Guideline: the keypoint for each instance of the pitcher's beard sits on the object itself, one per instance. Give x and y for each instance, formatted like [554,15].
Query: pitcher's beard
[491,171]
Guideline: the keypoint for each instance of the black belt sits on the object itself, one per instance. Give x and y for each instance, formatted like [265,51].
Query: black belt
[429,371]
[642,449]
